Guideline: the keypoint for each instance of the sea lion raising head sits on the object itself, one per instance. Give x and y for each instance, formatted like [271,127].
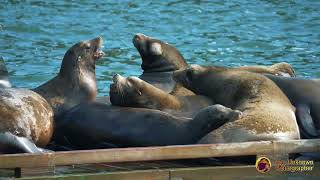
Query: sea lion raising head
[134,92]
[76,81]
[158,56]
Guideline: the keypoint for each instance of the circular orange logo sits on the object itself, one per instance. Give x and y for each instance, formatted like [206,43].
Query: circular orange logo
[263,164]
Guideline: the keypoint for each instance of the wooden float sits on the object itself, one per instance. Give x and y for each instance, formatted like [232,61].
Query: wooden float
[156,162]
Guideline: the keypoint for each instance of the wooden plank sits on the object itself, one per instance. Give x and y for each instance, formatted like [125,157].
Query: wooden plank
[34,171]
[158,153]
[203,173]
[236,172]
[130,175]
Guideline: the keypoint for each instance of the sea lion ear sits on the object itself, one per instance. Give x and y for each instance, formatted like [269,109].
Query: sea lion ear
[156,48]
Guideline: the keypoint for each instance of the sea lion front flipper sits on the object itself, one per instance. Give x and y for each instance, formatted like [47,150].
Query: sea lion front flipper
[305,122]
[4,74]
[12,143]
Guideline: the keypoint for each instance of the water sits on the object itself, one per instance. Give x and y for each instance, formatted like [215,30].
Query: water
[34,35]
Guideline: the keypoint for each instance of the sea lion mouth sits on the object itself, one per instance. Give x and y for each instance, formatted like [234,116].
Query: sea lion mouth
[98,53]
[117,83]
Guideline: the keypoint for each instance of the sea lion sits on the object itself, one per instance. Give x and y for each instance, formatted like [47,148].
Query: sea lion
[97,125]
[159,61]
[267,112]
[76,81]
[4,75]
[26,119]
[134,92]
[304,95]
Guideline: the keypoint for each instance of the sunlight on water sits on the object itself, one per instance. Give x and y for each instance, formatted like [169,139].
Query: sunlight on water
[36,34]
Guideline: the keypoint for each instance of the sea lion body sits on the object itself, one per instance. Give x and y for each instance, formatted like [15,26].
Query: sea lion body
[134,92]
[304,95]
[97,125]
[267,113]
[25,117]
[76,81]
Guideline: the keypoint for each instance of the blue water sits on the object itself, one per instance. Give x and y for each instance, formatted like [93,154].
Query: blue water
[34,35]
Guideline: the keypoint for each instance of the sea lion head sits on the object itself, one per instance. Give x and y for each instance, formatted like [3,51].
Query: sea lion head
[188,77]
[222,113]
[214,116]
[283,69]
[158,56]
[82,57]
[127,91]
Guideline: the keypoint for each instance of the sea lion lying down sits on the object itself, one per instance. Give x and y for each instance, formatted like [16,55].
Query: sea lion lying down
[267,112]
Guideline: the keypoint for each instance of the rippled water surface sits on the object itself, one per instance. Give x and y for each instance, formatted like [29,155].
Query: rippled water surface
[36,34]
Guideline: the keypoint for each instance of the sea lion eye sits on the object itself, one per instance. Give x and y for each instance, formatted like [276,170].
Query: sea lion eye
[87,46]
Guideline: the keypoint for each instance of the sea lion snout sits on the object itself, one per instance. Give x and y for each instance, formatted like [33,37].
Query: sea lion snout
[139,41]
[97,43]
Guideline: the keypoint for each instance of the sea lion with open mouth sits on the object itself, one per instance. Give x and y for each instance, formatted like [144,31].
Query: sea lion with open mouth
[76,81]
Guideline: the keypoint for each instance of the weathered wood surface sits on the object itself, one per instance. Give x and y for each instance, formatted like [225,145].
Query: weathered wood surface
[158,153]
[195,173]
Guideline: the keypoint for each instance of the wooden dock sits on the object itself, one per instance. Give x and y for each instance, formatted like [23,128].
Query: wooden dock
[165,162]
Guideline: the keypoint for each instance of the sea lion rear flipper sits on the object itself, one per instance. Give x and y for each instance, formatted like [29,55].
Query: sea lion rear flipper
[13,143]
[4,74]
[305,121]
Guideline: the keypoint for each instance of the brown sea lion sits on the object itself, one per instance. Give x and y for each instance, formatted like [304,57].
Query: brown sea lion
[159,61]
[134,92]
[26,120]
[76,81]
[267,112]
[98,125]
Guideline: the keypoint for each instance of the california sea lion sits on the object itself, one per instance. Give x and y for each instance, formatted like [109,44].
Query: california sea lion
[159,61]
[97,125]
[304,95]
[76,81]
[134,92]
[267,112]
[26,119]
